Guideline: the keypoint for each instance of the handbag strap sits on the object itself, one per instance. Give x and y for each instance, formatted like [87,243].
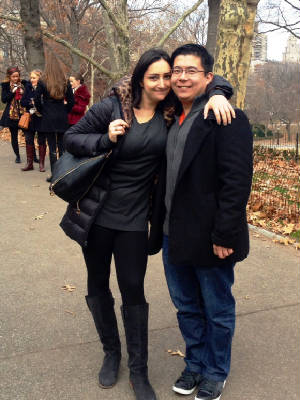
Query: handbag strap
[117,113]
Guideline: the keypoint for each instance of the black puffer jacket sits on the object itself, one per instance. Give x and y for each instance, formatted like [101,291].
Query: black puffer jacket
[76,224]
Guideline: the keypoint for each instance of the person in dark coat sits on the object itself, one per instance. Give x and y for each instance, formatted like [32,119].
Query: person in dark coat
[53,99]
[112,219]
[199,219]
[81,98]
[34,125]
[12,91]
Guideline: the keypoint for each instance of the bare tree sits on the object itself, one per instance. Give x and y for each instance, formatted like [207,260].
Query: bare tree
[234,39]
[280,15]
[213,21]
[273,94]
[30,16]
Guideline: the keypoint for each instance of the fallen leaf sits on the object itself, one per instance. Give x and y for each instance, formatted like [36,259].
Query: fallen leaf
[69,288]
[177,353]
[38,217]
[70,312]
[288,229]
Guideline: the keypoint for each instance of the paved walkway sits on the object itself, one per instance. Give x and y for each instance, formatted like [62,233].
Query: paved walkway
[49,346]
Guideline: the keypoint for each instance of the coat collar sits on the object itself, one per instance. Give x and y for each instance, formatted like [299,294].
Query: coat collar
[198,132]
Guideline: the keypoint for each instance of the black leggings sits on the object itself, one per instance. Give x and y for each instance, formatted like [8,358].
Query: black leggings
[56,140]
[130,255]
[29,138]
[14,140]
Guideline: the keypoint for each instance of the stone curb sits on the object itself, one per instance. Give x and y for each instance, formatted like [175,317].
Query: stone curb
[268,234]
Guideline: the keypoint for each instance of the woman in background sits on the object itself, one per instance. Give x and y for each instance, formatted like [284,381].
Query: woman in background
[81,98]
[12,91]
[53,99]
[34,125]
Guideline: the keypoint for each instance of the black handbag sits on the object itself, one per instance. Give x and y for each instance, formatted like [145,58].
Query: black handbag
[73,177]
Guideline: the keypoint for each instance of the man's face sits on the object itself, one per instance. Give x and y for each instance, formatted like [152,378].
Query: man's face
[188,86]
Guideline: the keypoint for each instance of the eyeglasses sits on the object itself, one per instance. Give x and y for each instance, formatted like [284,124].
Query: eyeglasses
[189,71]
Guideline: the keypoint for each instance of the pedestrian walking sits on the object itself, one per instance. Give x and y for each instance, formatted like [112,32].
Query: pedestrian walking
[12,91]
[34,125]
[113,218]
[81,98]
[53,99]
[200,221]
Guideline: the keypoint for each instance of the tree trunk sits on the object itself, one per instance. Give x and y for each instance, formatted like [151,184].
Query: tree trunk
[30,16]
[234,41]
[74,31]
[213,20]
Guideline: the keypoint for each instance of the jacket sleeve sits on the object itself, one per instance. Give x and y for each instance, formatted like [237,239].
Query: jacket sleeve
[38,97]
[80,105]
[235,167]
[69,97]
[89,137]
[219,85]
[26,99]
[6,94]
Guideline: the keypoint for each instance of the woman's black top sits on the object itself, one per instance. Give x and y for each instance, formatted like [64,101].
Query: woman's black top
[131,175]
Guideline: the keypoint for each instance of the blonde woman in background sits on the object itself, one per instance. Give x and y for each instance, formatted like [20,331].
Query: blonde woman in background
[34,125]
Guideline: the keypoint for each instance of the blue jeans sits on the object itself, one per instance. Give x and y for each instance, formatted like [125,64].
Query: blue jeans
[205,312]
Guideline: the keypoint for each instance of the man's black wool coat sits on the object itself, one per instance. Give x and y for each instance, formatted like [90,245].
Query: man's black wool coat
[210,197]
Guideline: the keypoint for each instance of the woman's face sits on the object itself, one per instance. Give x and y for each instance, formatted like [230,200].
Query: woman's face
[15,77]
[74,82]
[156,83]
[34,78]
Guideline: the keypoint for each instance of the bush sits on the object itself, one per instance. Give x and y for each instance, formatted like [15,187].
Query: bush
[259,130]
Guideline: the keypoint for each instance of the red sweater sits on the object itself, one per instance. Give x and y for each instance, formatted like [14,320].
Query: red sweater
[82,99]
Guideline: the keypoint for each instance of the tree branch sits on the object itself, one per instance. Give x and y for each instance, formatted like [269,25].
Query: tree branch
[67,44]
[178,22]
[119,27]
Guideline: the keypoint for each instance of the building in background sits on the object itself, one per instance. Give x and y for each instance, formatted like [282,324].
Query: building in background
[292,50]
[259,48]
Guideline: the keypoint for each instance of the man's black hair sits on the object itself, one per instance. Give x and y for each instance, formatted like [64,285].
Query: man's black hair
[197,50]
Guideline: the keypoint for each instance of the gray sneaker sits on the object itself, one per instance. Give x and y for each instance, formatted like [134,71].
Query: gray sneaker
[187,382]
[210,390]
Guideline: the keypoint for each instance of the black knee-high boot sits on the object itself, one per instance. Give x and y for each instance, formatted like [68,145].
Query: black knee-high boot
[53,159]
[135,320]
[102,310]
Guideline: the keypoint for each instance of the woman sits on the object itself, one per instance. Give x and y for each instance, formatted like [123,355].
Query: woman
[53,99]
[113,216]
[81,98]
[34,125]
[12,91]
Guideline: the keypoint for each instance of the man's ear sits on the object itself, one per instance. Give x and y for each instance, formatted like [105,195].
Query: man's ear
[209,77]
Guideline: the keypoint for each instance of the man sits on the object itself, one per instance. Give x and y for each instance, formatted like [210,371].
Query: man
[208,181]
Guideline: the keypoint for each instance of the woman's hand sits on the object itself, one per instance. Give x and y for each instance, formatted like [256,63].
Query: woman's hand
[221,107]
[116,128]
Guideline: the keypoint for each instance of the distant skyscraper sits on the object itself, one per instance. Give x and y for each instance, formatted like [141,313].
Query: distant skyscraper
[259,45]
[292,50]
